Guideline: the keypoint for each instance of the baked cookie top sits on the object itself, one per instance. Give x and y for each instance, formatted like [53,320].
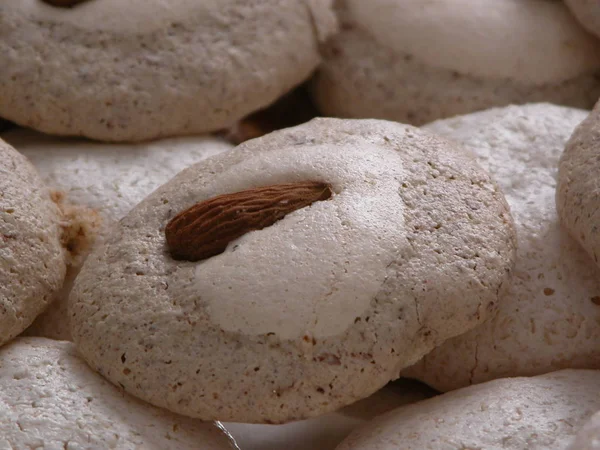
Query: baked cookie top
[414,62]
[143,69]
[537,413]
[33,260]
[315,311]
[526,41]
[547,319]
[577,197]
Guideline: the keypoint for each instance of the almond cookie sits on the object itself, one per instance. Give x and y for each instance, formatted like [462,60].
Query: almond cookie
[549,319]
[577,193]
[415,61]
[588,14]
[390,241]
[51,399]
[108,178]
[538,413]
[33,261]
[144,69]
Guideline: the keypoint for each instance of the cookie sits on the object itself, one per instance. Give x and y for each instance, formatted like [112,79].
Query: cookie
[587,13]
[390,241]
[414,61]
[577,195]
[33,260]
[549,318]
[327,431]
[110,179]
[538,413]
[146,69]
[52,399]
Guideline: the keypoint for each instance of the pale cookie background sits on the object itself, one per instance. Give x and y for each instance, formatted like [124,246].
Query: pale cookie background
[415,61]
[51,399]
[588,437]
[538,413]
[549,319]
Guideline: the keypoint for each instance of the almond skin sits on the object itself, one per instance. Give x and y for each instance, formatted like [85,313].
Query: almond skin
[205,229]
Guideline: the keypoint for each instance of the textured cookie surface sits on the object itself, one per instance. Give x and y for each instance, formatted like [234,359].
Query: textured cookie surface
[108,178]
[316,311]
[588,14]
[51,399]
[32,259]
[415,61]
[577,197]
[549,319]
[538,413]
[145,69]
[588,437]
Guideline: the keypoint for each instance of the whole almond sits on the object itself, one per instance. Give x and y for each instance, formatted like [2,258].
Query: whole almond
[205,229]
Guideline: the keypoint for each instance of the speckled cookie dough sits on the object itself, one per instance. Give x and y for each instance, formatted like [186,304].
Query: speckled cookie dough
[144,69]
[538,413]
[110,179]
[316,311]
[32,259]
[588,437]
[51,399]
[549,319]
[415,61]
[587,13]
[577,198]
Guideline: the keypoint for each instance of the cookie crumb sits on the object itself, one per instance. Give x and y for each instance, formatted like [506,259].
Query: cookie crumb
[80,226]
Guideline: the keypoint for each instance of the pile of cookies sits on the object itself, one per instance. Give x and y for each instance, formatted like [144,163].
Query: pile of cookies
[299,224]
